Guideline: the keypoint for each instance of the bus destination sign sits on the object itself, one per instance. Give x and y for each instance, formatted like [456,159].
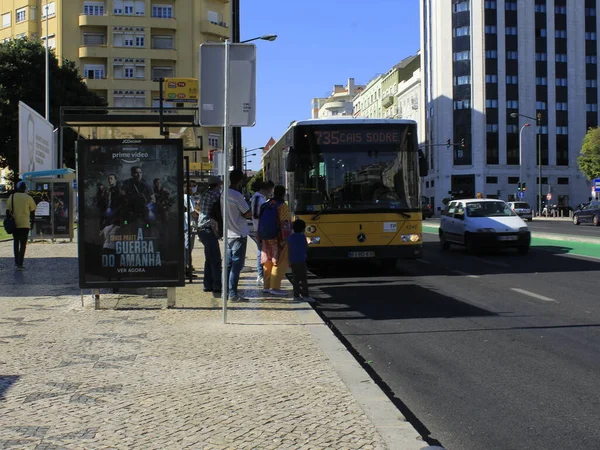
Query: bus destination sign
[343,137]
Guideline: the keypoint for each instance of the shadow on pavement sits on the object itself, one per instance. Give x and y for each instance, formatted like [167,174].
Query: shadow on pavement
[42,277]
[6,382]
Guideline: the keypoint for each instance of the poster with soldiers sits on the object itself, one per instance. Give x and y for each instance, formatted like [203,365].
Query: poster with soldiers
[130,213]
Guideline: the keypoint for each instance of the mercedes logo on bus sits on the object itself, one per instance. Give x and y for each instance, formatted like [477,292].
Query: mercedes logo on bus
[361,237]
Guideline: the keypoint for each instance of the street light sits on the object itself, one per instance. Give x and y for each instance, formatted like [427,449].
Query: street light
[521,152]
[264,37]
[538,119]
[246,155]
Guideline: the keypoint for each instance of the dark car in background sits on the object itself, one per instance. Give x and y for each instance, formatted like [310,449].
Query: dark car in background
[426,208]
[589,213]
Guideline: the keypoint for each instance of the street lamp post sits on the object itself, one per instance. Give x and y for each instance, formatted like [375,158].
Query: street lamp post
[264,37]
[521,153]
[538,119]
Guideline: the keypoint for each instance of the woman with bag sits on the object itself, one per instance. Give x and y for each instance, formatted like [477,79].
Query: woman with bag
[22,208]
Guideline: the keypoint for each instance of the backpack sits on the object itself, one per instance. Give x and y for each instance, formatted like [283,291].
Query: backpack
[216,218]
[268,223]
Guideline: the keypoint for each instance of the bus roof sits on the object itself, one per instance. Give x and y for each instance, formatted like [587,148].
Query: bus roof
[353,120]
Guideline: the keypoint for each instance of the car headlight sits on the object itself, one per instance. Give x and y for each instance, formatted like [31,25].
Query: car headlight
[311,229]
[314,240]
[524,229]
[411,237]
[485,230]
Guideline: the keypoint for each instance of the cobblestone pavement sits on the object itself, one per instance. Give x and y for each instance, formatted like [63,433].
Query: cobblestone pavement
[72,377]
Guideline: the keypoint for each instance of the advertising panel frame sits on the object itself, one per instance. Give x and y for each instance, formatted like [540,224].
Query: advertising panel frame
[176,246]
[37,141]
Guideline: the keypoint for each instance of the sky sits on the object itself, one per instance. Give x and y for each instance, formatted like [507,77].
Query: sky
[320,43]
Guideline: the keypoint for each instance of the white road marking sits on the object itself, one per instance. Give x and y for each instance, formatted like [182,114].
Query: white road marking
[460,272]
[423,261]
[534,295]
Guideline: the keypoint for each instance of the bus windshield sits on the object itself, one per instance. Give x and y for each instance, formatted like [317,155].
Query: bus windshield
[355,169]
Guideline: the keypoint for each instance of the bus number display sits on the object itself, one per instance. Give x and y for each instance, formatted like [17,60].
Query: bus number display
[337,137]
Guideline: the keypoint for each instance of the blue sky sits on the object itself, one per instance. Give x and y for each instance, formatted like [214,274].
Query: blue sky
[320,43]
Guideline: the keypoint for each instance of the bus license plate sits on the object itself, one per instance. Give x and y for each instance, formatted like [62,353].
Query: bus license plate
[507,238]
[361,254]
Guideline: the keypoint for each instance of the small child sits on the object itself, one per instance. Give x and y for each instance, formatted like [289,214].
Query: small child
[297,246]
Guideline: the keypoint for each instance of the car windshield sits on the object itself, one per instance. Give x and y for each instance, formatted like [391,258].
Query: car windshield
[489,209]
[522,205]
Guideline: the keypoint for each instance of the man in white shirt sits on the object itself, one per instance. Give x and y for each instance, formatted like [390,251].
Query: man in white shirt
[258,199]
[238,212]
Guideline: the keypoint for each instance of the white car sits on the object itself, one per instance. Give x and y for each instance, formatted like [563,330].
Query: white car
[483,223]
[522,209]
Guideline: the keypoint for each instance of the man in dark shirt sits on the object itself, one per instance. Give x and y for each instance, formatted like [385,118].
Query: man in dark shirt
[139,195]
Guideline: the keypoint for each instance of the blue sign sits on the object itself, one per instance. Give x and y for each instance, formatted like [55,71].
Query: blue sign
[521,195]
[74,184]
[597,184]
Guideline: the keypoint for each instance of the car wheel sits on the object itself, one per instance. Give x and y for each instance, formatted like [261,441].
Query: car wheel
[596,220]
[576,220]
[443,242]
[524,250]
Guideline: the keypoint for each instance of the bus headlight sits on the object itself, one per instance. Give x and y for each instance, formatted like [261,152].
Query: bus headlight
[311,229]
[314,240]
[411,237]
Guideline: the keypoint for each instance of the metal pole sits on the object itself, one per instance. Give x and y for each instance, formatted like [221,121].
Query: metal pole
[539,131]
[47,70]
[236,132]
[225,195]
[160,106]
[521,158]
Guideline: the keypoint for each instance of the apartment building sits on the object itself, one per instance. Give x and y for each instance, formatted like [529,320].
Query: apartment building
[367,103]
[123,46]
[490,67]
[339,103]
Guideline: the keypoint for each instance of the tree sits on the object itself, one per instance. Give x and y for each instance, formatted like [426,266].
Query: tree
[252,185]
[22,78]
[589,157]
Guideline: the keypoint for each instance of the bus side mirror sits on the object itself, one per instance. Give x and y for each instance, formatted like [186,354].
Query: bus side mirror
[423,166]
[291,162]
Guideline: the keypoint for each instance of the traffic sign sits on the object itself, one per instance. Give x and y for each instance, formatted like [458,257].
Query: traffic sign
[549,196]
[521,195]
[597,184]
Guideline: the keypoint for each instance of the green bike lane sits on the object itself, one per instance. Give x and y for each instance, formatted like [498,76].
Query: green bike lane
[566,244]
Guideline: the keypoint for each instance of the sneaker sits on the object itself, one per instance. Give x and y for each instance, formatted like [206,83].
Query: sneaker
[265,291]
[20,268]
[297,299]
[238,298]
[260,280]
[278,292]
[310,300]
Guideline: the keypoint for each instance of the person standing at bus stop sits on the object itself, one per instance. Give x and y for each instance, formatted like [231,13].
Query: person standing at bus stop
[274,254]
[258,199]
[22,206]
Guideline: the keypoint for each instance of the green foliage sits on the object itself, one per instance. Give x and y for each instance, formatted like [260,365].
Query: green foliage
[22,78]
[589,157]
[252,185]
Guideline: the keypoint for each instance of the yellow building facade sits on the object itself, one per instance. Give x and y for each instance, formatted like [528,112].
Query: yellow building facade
[123,46]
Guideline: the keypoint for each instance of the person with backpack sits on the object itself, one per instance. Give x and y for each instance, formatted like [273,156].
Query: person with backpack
[264,190]
[209,212]
[273,230]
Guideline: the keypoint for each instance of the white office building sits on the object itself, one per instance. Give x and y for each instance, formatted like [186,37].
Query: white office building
[490,67]
[339,103]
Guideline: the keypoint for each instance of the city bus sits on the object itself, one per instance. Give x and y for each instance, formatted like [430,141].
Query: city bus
[356,183]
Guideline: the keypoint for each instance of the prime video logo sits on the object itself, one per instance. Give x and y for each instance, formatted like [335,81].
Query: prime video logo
[130,155]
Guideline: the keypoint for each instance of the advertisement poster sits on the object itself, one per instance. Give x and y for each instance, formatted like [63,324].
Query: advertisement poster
[36,141]
[130,213]
[43,222]
[61,203]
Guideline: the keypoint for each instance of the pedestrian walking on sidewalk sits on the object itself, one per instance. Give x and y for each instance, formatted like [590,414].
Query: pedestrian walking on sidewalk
[22,207]
[274,229]
[298,246]
[238,212]
[188,203]
[208,237]
[264,192]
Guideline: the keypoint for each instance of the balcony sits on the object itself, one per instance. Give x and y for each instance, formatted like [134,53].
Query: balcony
[335,105]
[88,20]
[387,101]
[93,51]
[215,28]
[97,84]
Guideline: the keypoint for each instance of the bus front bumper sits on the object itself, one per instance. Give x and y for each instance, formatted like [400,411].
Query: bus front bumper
[364,253]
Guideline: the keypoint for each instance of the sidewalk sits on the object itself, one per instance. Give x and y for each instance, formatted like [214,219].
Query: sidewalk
[275,377]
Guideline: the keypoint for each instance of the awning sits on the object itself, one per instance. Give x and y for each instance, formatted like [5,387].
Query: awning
[48,173]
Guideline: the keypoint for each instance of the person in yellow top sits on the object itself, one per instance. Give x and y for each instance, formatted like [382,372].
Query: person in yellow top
[22,207]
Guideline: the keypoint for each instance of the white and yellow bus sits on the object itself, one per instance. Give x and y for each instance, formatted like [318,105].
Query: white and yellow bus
[356,184]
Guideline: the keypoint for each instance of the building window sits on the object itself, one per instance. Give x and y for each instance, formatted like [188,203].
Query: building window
[20,15]
[460,7]
[94,71]
[93,39]
[512,104]
[50,8]
[560,9]
[560,34]
[93,8]
[561,82]
[491,78]
[491,103]
[129,68]
[162,11]
[540,8]
[544,180]
[511,31]
[491,29]
[491,54]
[541,57]
[562,156]
[491,180]
[462,104]
[162,42]
[590,12]
[561,106]
[541,32]
[590,35]
[129,99]
[562,180]
[512,79]
[562,130]
[540,105]
[6,20]
[510,6]
[492,127]
[513,180]
[511,128]
[591,83]
[461,31]
[162,72]
[490,4]
[462,56]
[465,79]
[129,7]
[591,59]
[129,37]
[591,107]
[561,57]
[214,140]
[51,41]
[541,81]
[214,17]
[512,55]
